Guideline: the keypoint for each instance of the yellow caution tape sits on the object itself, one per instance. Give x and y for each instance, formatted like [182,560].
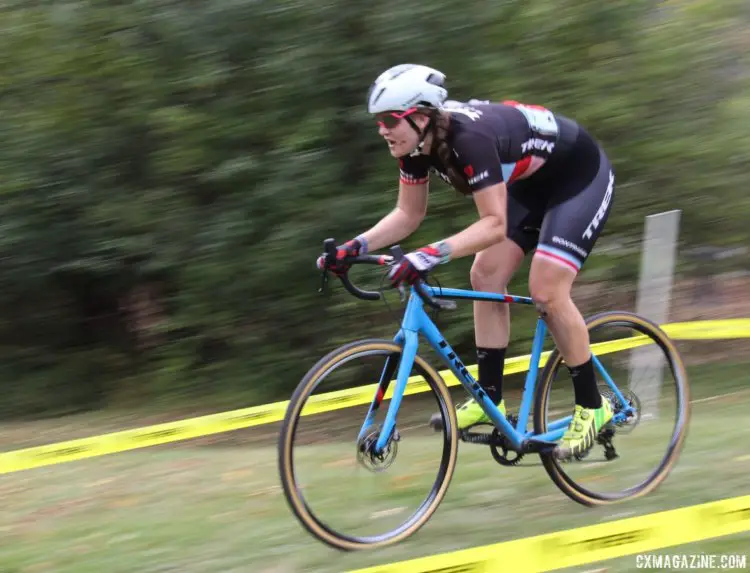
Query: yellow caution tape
[39,456]
[708,329]
[574,547]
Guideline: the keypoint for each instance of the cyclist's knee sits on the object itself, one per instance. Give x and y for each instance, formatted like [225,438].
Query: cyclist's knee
[548,293]
[548,299]
[489,274]
[494,267]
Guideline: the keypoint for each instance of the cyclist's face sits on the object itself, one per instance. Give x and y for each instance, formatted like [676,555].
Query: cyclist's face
[398,134]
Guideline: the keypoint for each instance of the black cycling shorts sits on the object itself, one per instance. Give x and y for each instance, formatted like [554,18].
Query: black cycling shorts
[561,209]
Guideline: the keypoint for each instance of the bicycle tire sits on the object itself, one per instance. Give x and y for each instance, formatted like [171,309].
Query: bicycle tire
[293,493]
[553,467]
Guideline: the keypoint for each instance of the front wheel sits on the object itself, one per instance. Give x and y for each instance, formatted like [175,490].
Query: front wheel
[641,373]
[344,491]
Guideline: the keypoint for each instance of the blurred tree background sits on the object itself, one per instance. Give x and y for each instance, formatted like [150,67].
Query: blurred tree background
[171,168]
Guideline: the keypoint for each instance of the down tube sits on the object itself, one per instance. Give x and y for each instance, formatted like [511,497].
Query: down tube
[444,350]
[411,341]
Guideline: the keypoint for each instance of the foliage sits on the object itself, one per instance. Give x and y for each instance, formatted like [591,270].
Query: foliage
[171,169]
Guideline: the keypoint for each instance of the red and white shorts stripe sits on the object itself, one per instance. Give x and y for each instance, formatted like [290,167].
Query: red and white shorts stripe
[559,256]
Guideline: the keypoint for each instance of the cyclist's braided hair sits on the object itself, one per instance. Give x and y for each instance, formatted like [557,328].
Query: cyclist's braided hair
[441,121]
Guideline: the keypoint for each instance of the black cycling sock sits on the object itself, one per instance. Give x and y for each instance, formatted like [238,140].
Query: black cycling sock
[584,385]
[491,362]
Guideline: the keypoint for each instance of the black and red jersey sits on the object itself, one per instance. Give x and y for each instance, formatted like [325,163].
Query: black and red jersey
[493,143]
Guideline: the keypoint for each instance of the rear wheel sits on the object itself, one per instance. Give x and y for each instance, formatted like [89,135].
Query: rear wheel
[344,493]
[638,450]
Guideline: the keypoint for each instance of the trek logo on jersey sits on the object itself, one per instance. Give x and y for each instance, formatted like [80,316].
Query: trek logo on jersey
[479,177]
[602,208]
[538,144]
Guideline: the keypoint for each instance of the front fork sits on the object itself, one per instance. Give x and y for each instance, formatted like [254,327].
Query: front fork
[408,340]
[385,381]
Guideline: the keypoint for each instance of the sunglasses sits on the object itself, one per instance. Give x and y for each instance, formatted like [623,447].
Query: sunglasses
[390,119]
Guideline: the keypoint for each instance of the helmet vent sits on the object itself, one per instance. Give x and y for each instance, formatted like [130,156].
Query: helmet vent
[377,97]
[435,80]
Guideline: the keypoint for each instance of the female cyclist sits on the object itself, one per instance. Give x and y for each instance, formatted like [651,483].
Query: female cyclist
[540,183]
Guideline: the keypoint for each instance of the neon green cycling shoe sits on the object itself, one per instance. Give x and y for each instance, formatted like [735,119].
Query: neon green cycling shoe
[585,426]
[468,414]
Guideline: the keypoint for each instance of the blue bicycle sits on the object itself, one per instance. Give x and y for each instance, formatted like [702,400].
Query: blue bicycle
[510,438]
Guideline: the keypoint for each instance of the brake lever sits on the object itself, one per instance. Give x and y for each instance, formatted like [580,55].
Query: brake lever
[323,281]
[329,252]
[398,253]
[402,292]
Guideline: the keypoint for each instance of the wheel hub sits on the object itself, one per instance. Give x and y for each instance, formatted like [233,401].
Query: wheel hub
[628,424]
[377,461]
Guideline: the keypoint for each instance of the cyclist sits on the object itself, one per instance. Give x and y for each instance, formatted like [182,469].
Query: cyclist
[539,182]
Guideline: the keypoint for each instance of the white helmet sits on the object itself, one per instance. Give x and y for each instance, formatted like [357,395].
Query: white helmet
[404,86]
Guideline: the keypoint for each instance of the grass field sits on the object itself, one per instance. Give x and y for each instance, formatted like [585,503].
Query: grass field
[217,505]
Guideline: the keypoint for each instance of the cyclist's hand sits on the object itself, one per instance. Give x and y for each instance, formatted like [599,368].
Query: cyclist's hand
[351,248]
[414,266]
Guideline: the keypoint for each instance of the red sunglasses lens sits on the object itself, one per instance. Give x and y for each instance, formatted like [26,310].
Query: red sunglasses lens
[388,120]
[392,118]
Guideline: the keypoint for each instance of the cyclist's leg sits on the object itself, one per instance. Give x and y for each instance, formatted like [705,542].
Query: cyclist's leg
[577,211]
[491,272]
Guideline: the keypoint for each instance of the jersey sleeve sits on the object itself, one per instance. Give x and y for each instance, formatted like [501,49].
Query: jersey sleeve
[478,159]
[414,170]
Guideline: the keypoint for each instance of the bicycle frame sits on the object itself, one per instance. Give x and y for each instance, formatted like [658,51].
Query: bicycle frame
[417,322]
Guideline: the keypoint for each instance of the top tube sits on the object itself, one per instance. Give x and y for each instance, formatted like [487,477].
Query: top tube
[441,292]
[429,294]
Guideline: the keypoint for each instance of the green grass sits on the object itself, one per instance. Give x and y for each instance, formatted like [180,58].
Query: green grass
[217,506]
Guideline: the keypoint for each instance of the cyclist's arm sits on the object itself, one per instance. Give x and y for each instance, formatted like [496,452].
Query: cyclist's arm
[414,180]
[477,157]
[489,229]
[410,210]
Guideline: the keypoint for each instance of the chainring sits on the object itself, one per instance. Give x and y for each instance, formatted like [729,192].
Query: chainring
[501,452]
[508,457]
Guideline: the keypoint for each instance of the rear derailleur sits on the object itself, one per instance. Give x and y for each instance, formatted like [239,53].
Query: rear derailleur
[605,439]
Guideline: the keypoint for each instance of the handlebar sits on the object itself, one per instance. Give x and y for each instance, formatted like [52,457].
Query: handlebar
[329,250]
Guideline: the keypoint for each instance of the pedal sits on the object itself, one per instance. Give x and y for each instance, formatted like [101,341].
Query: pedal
[436,423]
[481,438]
[605,439]
[568,456]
